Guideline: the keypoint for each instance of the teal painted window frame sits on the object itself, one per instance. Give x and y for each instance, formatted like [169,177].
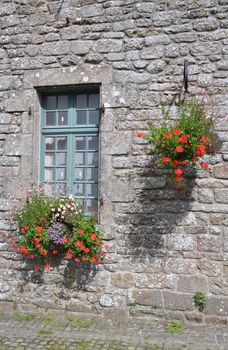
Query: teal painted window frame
[71,131]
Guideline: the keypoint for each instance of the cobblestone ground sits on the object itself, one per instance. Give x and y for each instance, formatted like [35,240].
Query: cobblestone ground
[48,332]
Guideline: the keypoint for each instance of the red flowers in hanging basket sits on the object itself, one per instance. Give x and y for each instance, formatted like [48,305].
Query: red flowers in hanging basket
[182,145]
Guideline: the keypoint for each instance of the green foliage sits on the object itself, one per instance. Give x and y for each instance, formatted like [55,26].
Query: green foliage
[56,227]
[175,327]
[183,143]
[24,317]
[79,323]
[200,301]
[45,331]
[38,212]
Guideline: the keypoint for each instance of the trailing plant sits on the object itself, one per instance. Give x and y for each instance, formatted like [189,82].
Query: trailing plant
[56,227]
[200,301]
[175,327]
[180,146]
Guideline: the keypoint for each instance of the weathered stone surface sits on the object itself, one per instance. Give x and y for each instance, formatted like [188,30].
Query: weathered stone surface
[181,242]
[221,195]
[192,284]
[148,298]
[163,246]
[174,301]
[209,243]
[122,280]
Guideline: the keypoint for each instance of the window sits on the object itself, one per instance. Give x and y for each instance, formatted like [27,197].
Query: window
[70,146]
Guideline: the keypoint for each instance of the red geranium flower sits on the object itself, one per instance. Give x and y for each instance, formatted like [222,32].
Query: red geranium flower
[183,139]
[178,178]
[204,139]
[168,137]
[140,135]
[81,232]
[47,267]
[77,260]
[177,131]
[93,237]
[39,228]
[175,163]
[179,149]
[54,251]
[165,160]
[178,172]
[204,165]
[201,150]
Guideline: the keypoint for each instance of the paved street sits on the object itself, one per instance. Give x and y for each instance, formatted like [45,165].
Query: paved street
[48,332]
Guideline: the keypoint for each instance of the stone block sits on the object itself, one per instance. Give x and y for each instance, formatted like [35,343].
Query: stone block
[209,243]
[4,286]
[178,301]
[131,77]
[156,66]
[181,242]
[107,45]
[205,195]
[180,266]
[80,47]
[221,195]
[160,39]
[192,284]
[150,183]
[122,280]
[205,24]
[153,52]
[217,306]
[226,239]
[116,143]
[210,268]
[219,286]
[148,298]
[109,300]
[55,48]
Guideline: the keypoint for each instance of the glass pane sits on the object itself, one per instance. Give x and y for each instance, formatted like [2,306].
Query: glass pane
[79,190]
[50,118]
[61,143]
[92,174]
[93,143]
[51,102]
[48,174]
[63,102]
[79,158]
[93,158]
[80,143]
[62,118]
[61,174]
[91,190]
[94,101]
[60,189]
[49,159]
[50,143]
[92,206]
[81,101]
[81,117]
[94,117]
[80,174]
[61,159]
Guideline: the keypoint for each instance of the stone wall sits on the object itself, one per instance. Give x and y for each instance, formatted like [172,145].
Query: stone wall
[163,248]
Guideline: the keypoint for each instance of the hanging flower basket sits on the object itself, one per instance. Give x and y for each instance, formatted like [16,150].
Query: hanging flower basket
[57,228]
[180,146]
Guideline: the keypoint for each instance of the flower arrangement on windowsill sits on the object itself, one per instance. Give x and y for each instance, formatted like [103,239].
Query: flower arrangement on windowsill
[180,146]
[57,228]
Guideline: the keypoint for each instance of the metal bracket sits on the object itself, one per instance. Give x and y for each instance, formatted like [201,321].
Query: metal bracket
[185,76]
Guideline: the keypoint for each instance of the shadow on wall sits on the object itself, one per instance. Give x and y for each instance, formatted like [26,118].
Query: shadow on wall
[157,211]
